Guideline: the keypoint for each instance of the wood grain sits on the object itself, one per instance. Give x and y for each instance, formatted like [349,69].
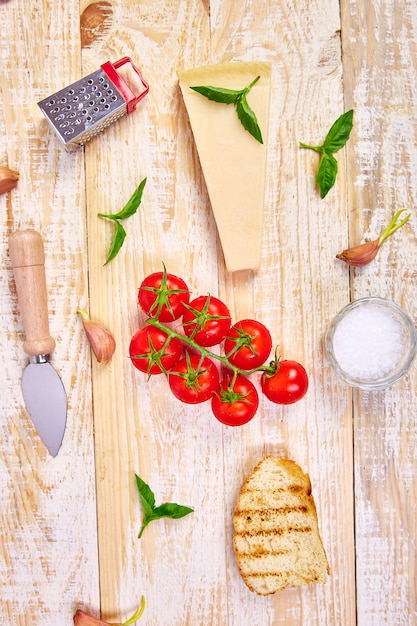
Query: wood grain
[380,86]
[48,514]
[70,524]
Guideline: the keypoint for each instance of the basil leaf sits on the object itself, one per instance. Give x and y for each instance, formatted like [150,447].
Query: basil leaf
[172,510]
[131,207]
[151,512]
[238,98]
[248,118]
[117,241]
[339,133]
[336,138]
[146,495]
[326,175]
[218,94]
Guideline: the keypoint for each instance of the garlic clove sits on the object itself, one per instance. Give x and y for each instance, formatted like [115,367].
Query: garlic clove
[360,255]
[84,619]
[99,337]
[8,179]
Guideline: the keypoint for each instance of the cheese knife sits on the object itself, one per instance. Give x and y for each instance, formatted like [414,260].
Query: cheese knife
[42,388]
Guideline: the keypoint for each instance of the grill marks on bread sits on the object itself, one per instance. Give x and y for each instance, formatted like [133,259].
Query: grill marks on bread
[276,537]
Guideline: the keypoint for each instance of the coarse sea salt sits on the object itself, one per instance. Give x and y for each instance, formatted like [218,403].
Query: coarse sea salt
[368,342]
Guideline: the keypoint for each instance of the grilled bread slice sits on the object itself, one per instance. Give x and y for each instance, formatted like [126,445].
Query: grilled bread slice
[276,537]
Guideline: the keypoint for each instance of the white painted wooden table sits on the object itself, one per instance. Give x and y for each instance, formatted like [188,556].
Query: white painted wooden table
[69,524]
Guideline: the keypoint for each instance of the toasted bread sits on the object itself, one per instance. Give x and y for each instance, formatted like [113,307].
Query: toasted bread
[276,537]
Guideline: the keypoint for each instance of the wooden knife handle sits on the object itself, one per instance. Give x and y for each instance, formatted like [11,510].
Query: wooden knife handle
[27,255]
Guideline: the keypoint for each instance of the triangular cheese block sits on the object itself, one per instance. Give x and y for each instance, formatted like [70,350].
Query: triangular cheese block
[232,160]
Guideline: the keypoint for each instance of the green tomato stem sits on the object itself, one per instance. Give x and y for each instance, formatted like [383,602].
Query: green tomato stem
[208,353]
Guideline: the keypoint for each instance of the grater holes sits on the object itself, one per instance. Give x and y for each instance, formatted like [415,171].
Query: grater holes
[70,92]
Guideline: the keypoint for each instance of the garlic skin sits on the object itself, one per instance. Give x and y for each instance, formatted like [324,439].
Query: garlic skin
[83,619]
[100,339]
[360,255]
[8,179]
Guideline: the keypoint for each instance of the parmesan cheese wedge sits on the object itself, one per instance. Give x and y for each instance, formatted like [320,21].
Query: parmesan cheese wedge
[232,160]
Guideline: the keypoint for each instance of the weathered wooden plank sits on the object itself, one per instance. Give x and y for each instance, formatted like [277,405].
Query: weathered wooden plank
[379,43]
[48,557]
[293,293]
[139,427]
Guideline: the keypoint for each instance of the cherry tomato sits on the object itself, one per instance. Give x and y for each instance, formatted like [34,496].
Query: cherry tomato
[206,320]
[235,404]
[248,344]
[193,379]
[163,296]
[288,384]
[152,351]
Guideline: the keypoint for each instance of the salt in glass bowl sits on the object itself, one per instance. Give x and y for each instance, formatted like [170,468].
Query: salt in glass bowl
[371,343]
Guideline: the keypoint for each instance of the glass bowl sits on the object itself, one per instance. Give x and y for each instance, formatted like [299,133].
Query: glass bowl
[371,343]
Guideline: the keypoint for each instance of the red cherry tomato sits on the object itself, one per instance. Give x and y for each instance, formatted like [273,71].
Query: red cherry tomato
[163,296]
[193,379]
[151,351]
[288,384]
[206,320]
[235,405]
[248,344]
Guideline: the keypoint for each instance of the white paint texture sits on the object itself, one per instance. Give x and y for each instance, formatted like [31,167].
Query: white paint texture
[69,525]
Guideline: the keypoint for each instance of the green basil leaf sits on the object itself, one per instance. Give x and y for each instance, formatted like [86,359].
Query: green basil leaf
[117,241]
[326,176]
[146,494]
[218,94]
[339,133]
[172,510]
[131,206]
[168,509]
[248,118]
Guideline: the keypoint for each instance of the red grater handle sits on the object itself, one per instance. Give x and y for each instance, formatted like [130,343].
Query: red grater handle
[131,98]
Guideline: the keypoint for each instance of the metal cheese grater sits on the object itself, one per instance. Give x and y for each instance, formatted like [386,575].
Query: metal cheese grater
[86,107]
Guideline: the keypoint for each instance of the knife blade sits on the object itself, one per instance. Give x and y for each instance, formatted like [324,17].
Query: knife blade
[42,388]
